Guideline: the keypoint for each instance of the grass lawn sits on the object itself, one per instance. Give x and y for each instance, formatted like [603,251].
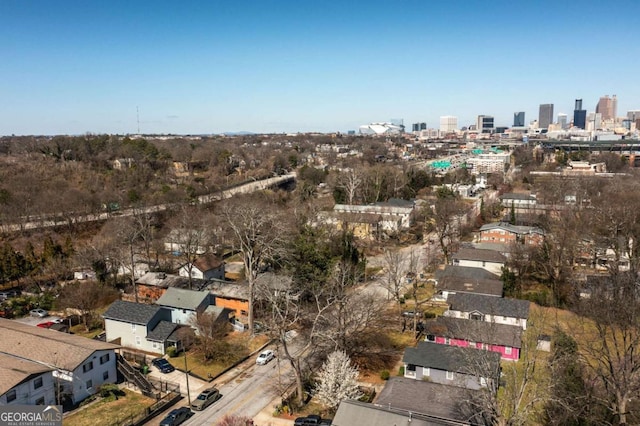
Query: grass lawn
[109,412]
[80,330]
[200,367]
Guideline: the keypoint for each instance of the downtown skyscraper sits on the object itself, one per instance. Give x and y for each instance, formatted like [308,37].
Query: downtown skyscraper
[545,116]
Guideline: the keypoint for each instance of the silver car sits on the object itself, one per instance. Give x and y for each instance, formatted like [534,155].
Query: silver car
[265,357]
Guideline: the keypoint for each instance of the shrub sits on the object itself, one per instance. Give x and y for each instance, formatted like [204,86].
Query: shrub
[401,371]
[384,374]
[172,351]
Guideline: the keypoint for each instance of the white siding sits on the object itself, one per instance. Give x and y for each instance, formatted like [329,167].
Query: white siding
[27,393]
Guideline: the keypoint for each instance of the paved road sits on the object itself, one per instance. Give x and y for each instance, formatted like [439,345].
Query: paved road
[247,394]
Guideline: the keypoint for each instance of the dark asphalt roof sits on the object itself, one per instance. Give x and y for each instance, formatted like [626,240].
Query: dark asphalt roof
[466,253]
[418,396]
[480,286]
[476,331]
[162,331]
[131,312]
[453,358]
[469,302]
[465,272]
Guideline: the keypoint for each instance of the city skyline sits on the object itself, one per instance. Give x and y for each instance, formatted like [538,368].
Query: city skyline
[285,66]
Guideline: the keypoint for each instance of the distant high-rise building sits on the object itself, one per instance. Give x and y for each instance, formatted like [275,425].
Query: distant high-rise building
[545,116]
[594,121]
[448,124]
[485,124]
[608,107]
[562,120]
[416,127]
[518,119]
[579,115]
[633,115]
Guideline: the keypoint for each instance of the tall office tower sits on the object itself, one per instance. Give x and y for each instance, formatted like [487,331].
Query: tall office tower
[633,114]
[545,116]
[608,107]
[579,115]
[448,124]
[594,121]
[518,119]
[562,120]
[485,124]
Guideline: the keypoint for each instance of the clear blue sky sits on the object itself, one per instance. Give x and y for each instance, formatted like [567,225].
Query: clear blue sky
[284,66]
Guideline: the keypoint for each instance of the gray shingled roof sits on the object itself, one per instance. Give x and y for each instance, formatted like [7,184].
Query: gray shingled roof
[465,272]
[131,312]
[469,302]
[182,298]
[516,229]
[476,331]
[467,253]
[419,396]
[487,287]
[15,370]
[162,331]
[453,358]
[517,196]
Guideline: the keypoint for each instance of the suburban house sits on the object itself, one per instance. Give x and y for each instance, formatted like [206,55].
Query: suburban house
[371,220]
[410,402]
[503,232]
[142,327]
[25,382]
[503,339]
[467,367]
[193,241]
[184,305]
[490,260]
[207,267]
[232,296]
[152,285]
[518,200]
[80,365]
[487,308]
[465,279]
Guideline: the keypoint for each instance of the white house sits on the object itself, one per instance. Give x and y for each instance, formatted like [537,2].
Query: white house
[79,365]
[488,308]
[183,304]
[142,327]
[25,382]
[491,260]
[207,267]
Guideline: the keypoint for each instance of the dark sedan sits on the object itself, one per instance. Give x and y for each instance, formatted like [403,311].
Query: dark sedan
[163,365]
[177,417]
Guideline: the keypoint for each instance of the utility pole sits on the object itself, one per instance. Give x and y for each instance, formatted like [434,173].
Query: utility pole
[186,371]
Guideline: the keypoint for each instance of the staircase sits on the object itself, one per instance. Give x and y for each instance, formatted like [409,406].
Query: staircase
[132,375]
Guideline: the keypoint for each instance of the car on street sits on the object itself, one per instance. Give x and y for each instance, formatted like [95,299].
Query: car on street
[177,417]
[39,313]
[205,399]
[265,357]
[163,365]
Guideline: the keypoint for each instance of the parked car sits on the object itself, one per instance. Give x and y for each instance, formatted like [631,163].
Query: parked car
[46,324]
[265,357]
[39,313]
[4,295]
[163,365]
[205,399]
[311,420]
[177,417]
[411,314]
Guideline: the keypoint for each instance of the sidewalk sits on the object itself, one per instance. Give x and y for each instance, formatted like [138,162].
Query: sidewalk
[265,417]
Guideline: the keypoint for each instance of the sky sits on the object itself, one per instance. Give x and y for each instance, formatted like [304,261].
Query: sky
[201,67]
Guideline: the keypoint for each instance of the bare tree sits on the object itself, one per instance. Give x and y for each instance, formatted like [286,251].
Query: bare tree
[86,297]
[259,235]
[194,237]
[211,331]
[443,219]
[350,181]
[395,266]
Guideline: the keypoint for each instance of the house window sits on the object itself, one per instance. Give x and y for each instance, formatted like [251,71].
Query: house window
[484,264]
[507,350]
[483,382]
[133,328]
[104,359]
[40,401]
[89,384]
[426,372]
[447,341]
[138,341]
[37,383]
[87,367]
[105,375]
[411,367]
[450,375]
[11,395]
[476,317]
[155,345]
